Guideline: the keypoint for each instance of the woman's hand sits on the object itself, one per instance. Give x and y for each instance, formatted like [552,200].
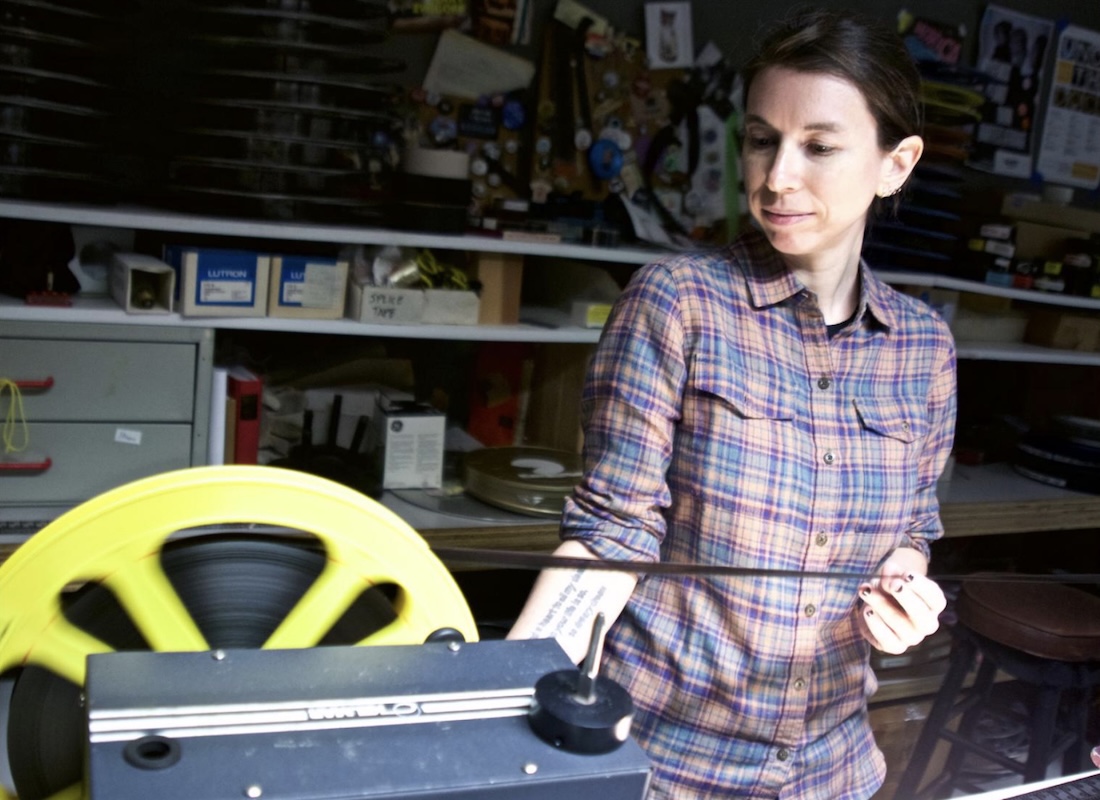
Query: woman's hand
[900,607]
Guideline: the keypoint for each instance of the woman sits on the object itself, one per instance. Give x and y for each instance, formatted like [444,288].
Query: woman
[775,406]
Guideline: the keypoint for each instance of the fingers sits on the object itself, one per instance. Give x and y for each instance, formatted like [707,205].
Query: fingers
[900,611]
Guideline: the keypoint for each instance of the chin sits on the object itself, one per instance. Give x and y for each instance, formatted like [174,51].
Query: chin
[790,243]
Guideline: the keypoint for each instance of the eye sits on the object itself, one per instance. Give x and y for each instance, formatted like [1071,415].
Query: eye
[758,141]
[818,149]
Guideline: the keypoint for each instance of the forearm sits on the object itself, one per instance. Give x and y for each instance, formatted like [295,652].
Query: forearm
[564,602]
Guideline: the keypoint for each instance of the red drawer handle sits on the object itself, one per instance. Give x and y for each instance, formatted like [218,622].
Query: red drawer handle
[35,386]
[26,466]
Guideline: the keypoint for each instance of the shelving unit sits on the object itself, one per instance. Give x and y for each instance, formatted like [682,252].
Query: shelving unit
[977,501]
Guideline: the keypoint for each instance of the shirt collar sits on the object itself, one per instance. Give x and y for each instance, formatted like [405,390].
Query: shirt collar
[771,283]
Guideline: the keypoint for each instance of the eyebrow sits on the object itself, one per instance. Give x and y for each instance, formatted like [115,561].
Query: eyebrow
[828,127]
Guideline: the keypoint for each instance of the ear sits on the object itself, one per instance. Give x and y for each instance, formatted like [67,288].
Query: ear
[898,165]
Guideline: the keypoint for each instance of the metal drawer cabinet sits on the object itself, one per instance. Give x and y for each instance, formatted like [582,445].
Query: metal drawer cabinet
[104,404]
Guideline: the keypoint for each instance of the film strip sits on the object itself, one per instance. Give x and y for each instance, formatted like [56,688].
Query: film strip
[518,559]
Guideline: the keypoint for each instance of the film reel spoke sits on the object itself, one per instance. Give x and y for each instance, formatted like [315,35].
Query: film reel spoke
[152,603]
[62,648]
[394,634]
[326,601]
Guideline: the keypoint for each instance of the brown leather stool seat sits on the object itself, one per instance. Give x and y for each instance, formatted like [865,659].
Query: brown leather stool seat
[1048,620]
[1046,636]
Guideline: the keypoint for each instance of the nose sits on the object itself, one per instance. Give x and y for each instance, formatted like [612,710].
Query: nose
[784,173]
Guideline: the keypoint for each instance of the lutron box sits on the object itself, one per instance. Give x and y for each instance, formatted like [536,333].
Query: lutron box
[307,287]
[220,283]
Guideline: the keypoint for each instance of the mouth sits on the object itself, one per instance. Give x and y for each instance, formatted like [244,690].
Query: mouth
[783,217]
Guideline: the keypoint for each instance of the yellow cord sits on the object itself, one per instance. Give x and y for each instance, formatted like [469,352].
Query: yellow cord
[15,421]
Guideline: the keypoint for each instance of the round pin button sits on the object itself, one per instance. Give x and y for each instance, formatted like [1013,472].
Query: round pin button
[605,159]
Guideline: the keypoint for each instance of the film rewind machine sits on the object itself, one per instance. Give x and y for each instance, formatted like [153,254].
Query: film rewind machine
[197,634]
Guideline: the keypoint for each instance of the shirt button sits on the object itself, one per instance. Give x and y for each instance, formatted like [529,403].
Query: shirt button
[821,539]
[824,383]
[829,458]
[810,610]
[783,754]
[799,683]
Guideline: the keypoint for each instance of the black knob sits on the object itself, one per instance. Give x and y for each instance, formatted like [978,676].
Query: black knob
[570,721]
[580,710]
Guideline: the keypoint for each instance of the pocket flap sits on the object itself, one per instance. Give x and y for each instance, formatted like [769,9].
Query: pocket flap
[896,417]
[751,396]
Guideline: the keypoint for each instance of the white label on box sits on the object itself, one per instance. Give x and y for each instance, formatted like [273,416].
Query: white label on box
[387,305]
[125,436]
[318,290]
[226,292]
[414,452]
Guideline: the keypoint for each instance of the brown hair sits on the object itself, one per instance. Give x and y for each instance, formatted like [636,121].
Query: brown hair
[856,48]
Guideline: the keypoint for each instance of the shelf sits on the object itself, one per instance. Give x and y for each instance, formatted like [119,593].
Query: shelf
[175,222]
[105,311]
[935,281]
[1020,352]
[994,498]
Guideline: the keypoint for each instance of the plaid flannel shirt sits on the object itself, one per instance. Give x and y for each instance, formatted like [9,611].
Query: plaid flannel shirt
[723,425]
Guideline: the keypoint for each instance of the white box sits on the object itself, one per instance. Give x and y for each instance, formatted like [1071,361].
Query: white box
[307,287]
[450,307]
[408,444]
[220,283]
[141,284]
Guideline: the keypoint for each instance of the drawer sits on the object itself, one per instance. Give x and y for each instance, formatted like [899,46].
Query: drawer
[86,459]
[101,380]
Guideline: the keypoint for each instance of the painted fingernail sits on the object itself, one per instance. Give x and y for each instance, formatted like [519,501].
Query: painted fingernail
[898,587]
[869,612]
[865,591]
[909,578]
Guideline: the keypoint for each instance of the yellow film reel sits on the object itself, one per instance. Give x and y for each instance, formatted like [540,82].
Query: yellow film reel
[115,540]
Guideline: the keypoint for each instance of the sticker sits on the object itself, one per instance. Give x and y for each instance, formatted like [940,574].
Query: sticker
[514,115]
[478,122]
[127,436]
[319,289]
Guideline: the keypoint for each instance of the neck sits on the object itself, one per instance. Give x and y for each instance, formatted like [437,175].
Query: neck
[836,287]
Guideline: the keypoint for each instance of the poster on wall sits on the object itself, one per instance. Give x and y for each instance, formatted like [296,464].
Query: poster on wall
[668,35]
[1012,49]
[1069,152]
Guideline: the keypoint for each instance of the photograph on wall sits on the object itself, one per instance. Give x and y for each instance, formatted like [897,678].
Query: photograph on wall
[668,35]
[1069,151]
[1012,49]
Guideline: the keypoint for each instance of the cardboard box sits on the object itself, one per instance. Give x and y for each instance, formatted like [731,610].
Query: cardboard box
[408,444]
[1026,207]
[382,304]
[1063,330]
[142,284]
[501,279]
[1036,240]
[220,283]
[307,287]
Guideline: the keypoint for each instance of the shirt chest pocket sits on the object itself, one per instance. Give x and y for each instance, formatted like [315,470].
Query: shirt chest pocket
[895,418]
[726,405]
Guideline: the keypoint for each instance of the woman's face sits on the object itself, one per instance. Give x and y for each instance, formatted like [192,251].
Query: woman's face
[811,163]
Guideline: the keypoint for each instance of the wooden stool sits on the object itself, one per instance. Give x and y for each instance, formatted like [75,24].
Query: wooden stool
[1047,637]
